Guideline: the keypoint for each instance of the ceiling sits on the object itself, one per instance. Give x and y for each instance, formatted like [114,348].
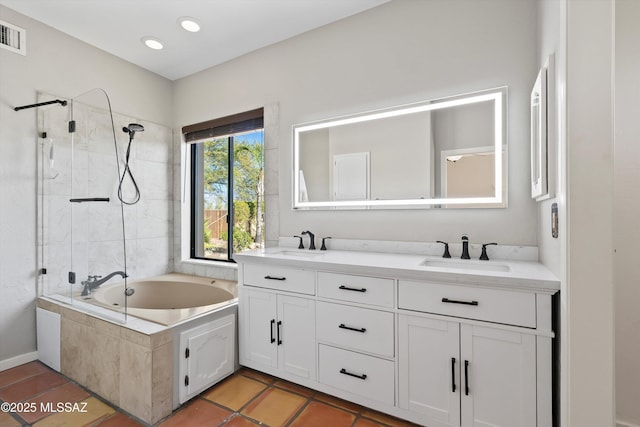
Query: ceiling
[230,28]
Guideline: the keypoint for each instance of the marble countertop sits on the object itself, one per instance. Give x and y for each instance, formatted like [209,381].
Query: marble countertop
[494,273]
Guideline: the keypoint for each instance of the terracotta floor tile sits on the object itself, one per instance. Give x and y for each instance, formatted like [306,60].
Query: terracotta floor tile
[197,413]
[31,386]
[363,422]
[274,407]
[119,420]
[385,419]
[256,375]
[234,392]
[20,373]
[95,410]
[239,421]
[295,388]
[335,401]
[68,392]
[6,420]
[318,414]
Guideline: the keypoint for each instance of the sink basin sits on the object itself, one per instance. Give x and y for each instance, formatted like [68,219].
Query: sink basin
[300,254]
[465,265]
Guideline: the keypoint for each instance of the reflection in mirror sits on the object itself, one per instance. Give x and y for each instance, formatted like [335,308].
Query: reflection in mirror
[442,153]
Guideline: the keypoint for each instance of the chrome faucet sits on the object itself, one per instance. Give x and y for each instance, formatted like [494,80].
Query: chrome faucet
[465,248]
[94,282]
[312,239]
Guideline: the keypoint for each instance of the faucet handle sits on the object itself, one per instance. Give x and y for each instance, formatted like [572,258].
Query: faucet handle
[324,247]
[484,255]
[300,245]
[446,253]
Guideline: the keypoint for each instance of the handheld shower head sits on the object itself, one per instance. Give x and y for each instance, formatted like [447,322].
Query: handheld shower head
[132,129]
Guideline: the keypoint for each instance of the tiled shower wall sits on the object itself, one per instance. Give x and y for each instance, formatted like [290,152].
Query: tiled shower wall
[87,237]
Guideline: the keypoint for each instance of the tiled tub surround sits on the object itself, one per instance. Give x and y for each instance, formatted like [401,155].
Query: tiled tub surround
[133,365]
[363,323]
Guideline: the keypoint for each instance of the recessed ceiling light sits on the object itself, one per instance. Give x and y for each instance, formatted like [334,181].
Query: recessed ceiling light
[189,24]
[152,43]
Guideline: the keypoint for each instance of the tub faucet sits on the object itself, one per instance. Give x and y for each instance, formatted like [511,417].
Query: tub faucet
[94,282]
[465,248]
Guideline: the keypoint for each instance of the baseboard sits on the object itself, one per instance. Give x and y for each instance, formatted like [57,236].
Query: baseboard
[18,360]
[625,424]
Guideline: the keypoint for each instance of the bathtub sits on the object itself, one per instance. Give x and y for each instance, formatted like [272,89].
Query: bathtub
[168,299]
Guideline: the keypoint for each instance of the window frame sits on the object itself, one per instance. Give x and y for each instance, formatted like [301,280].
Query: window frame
[195,135]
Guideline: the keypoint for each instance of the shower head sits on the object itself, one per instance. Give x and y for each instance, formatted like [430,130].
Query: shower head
[132,129]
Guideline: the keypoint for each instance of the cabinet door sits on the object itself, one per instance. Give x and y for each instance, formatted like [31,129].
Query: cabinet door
[207,355]
[429,369]
[258,324]
[296,336]
[498,375]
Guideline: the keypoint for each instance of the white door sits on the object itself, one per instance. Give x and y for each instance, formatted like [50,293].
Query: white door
[207,355]
[351,176]
[295,335]
[259,328]
[498,374]
[429,368]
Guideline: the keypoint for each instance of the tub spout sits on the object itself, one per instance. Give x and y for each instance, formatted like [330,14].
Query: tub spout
[94,282]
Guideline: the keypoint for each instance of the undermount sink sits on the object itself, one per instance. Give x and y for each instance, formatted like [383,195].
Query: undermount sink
[300,253]
[465,265]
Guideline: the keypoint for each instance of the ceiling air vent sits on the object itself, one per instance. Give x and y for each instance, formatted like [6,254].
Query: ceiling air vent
[13,38]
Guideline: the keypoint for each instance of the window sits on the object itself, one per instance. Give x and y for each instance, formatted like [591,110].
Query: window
[227,185]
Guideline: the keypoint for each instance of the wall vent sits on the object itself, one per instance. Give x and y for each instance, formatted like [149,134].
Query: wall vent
[13,38]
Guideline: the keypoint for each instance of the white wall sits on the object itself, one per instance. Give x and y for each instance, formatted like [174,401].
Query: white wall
[400,52]
[57,64]
[587,259]
[626,231]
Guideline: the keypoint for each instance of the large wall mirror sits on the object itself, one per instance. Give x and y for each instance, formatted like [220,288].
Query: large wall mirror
[449,152]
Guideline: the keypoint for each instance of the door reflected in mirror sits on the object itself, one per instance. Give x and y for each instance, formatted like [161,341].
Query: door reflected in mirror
[441,153]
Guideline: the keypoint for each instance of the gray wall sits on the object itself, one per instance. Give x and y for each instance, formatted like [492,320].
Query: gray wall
[61,65]
[403,51]
[626,203]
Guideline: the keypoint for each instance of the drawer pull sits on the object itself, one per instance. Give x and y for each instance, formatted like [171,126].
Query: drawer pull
[275,278]
[273,321]
[453,301]
[346,288]
[345,372]
[343,326]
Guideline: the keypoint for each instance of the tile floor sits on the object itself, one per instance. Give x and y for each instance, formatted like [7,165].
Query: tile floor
[246,399]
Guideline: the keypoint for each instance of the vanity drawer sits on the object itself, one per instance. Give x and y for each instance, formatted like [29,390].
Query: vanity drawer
[357,373]
[279,278]
[492,305]
[361,289]
[357,328]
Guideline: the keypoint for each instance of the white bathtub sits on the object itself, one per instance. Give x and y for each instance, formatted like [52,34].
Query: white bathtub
[167,299]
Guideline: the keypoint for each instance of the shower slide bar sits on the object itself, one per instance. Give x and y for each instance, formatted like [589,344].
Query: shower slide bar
[40,104]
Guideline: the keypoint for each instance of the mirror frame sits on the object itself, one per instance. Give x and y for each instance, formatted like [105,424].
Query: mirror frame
[498,200]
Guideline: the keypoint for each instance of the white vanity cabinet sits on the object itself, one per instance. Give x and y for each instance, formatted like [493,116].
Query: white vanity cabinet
[442,349]
[277,328]
[468,373]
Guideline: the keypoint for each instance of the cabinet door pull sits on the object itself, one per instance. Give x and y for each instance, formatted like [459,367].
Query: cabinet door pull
[343,326]
[278,329]
[274,278]
[346,288]
[453,374]
[453,301]
[273,321]
[466,378]
[345,372]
